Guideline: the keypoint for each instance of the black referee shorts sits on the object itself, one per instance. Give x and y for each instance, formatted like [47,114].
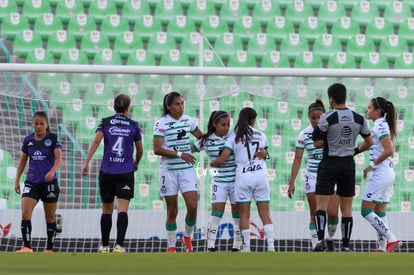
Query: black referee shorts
[339,171]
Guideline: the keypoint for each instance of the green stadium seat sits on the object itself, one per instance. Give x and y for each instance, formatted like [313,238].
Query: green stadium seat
[6,158]
[167,11]
[99,10]
[140,57]
[387,86]
[246,27]
[113,25]
[363,12]
[266,11]
[218,85]
[74,112]
[50,82]
[7,7]
[329,11]
[190,45]
[293,45]
[107,57]
[126,43]
[342,60]
[354,84]
[359,46]
[34,9]
[160,43]
[273,59]
[187,85]
[374,60]
[298,10]
[210,59]
[226,44]
[397,12]
[174,58]
[94,41]
[59,41]
[135,10]
[312,28]
[122,83]
[406,30]
[61,94]
[156,84]
[308,60]
[179,27]
[74,56]
[199,10]
[87,3]
[80,25]
[212,27]
[344,29]
[25,41]
[47,24]
[378,29]
[381,4]
[259,45]
[256,85]
[147,26]
[66,9]
[11,25]
[231,11]
[39,56]
[97,94]
[233,102]
[349,4]
[287,84]
[82,81]
[326,46]
[317,86]
[279,28]
[392,46]
[241,59]
[404,61]
[85,132]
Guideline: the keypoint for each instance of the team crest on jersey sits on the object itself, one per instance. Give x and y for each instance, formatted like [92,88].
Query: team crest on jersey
[48,142]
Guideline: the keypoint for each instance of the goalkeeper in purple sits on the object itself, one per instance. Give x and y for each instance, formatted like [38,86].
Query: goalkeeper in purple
[43,150]
[116,177]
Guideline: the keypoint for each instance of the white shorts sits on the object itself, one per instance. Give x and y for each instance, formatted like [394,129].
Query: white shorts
[174,181]
[251,186]
[221,191]
[379,186]
[309,184]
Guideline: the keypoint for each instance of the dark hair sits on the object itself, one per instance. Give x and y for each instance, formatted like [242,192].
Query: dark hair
[242,129]
[43,115]
[317,105]
[214,117]
[388,110]
[121,103]
[168,100]
[338,93]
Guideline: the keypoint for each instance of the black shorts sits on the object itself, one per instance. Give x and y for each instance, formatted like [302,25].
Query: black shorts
[339,171]
[119,185]
[46,191]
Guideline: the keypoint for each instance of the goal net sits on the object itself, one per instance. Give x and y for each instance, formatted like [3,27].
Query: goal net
[77,97]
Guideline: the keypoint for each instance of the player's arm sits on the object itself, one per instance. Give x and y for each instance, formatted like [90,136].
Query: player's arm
[363,146]
[197,133]
[294,171]
[58,161]
[318,136]
[139,152]
[95,144]
[388,151]
[222,158]
[160,151]
[19,172]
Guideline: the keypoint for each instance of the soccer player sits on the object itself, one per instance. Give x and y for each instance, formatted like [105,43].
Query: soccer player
[44,152]
[378,190]
[177,174]
[337,132]
[222,186]
[314,156]
[116,176]
[251,175]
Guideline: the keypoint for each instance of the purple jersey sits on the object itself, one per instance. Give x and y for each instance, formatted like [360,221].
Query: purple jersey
[120,134]
[41,156]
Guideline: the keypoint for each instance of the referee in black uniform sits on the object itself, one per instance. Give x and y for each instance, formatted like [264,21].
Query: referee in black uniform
[337,132]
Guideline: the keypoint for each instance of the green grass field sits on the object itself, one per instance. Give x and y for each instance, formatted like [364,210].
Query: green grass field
[207,263]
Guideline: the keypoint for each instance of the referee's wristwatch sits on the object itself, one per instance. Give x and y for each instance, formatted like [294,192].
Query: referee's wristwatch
[372,164]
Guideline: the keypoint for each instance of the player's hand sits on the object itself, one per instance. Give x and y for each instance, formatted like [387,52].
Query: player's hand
[85,169]
[366,170]
[188,158]
[261,153]
[49,176]
[291,190]
[17,187]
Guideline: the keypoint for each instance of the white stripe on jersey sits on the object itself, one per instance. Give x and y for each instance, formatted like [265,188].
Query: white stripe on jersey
[213,146]
[176,135]
[313,154]
[379,131]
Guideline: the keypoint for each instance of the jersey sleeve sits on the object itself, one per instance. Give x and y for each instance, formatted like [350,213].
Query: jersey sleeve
[24,145]
[193,125]
[300,141]
[229,144]
[159,130]
[382,130]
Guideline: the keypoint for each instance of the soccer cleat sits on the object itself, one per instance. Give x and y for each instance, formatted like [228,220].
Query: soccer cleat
[187,244]
[171,250]
[271,249]
[48,251]
[104,249]
[346,249]
[330,246]
[25,249]
[378,250]
[319,247]
[118,249]
[211,249]
[245,249]
[392,246]
[236,245]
